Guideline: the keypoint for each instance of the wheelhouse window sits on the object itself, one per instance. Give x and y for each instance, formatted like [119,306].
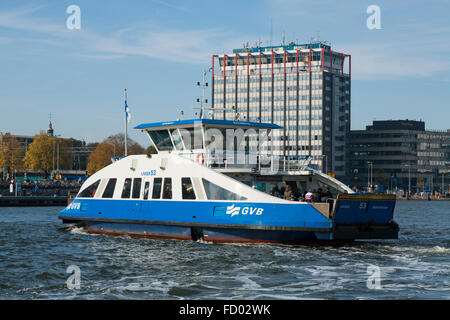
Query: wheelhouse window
[146,189]
[167,190]
[177,140]
[137,188]
[157,183]
[126,191]
[109,190]
[162,139]
[89,192]
[214,192]
[187,189]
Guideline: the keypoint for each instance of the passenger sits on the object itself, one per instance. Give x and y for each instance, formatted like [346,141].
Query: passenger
[315,196]
[275,191]
[288,193]
[167,193]
[309,197]
[320,196]
[357,191]
[328,194]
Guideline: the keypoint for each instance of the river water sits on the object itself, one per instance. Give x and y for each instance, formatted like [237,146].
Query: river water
[36,251]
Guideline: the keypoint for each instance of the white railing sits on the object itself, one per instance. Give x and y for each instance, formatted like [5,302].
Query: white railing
[256,161]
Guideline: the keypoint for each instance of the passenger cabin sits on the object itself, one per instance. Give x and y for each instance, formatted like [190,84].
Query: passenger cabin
[241,150]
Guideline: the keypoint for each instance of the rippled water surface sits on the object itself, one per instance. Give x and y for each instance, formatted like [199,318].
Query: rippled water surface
[36,250]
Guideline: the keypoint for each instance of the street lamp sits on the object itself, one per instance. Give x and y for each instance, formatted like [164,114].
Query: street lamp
[53,153]
[443,189]
[369,175]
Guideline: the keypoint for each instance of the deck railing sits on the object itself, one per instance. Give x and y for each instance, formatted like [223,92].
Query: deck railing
[261,162]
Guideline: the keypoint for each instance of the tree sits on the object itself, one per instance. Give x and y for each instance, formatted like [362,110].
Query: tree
[11,153]
[46,152]
[113,146]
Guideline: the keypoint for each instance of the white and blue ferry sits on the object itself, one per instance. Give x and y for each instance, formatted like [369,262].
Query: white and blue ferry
[197,187]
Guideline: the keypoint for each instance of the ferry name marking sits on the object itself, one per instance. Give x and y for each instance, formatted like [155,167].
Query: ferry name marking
[233,210]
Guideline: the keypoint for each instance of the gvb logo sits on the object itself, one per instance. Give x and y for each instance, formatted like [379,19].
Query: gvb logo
[233,210]
[74,280]
[374,280]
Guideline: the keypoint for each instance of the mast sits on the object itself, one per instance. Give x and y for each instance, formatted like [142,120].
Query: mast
[126,123]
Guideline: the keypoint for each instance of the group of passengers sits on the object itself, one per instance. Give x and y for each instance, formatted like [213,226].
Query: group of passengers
[312,195]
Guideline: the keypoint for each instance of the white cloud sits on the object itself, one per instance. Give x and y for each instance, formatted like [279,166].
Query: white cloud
[143,39]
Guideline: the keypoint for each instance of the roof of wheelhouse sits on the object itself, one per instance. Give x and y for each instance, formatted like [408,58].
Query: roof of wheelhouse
[207,122]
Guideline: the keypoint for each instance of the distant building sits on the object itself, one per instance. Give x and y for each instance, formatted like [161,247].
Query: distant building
[301,87]
[399,154]
[24,141]
[78,149]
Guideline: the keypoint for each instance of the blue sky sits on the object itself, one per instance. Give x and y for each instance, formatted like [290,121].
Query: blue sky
[157,49]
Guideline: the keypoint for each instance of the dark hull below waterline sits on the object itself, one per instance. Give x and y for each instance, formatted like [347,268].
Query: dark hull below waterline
[215,235]
[209,234]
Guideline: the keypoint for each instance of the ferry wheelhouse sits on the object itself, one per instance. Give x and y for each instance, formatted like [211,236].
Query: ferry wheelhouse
[216,180]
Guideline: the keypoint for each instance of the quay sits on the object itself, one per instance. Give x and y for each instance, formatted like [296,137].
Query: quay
[33,201]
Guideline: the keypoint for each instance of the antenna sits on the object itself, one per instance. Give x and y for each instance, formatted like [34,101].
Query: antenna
[203,85]
[271,32]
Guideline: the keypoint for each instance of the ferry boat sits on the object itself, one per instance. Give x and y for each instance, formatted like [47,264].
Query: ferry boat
[216,180]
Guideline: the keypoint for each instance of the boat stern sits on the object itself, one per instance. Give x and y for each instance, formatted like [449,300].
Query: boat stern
[364,216]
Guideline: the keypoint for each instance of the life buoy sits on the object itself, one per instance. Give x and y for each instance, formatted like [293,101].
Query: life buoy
[200,158]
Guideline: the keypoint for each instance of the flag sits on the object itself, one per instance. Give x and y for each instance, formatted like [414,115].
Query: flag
[127,112]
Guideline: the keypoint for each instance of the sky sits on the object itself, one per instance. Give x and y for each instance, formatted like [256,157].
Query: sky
[157,49]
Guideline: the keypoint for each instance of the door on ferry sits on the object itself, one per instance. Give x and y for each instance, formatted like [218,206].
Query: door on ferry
[136,196]
[146,190]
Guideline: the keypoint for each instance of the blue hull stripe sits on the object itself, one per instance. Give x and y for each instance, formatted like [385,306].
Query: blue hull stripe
[196,224]
[206,212]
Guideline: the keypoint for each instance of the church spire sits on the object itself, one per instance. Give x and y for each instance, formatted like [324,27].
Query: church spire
[50,128]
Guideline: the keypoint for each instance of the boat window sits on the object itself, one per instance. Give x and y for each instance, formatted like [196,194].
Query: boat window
[89,192]
[157,188]
[167,191]
[109,190]
[162,139]
[177,140]
[192,138]
[187,189]
[214,192]
[137,188]
[126,188]
[146,189]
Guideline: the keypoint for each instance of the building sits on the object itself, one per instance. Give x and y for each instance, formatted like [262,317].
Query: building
[399,154]
[78,150]
[301,87]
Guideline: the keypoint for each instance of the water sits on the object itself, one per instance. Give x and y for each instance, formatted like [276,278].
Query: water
[36,250]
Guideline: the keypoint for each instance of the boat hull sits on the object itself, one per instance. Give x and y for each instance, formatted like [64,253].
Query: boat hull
[353,217]
[210,233]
